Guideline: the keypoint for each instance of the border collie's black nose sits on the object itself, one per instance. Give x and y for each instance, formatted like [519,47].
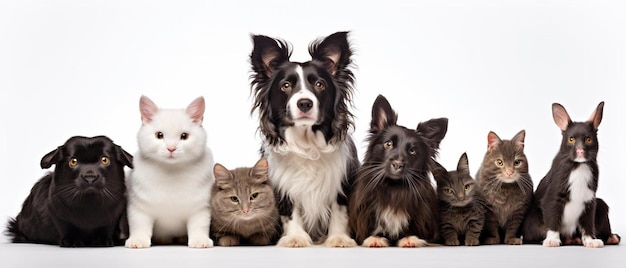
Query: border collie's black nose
[305,105]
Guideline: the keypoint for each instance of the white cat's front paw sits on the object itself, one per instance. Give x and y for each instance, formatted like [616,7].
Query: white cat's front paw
[295,241]
[593,243]
[340,241]
[200,242]
[138,242]
[552,242]
[412,242]
[375,242]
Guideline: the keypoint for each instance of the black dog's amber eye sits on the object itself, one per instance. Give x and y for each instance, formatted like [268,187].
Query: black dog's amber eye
[571,140]
[159,135]
[388,144]
[73,162]
[105,161]
[319,85]
[234,199]
[589,140]
[184,136]
[286,86]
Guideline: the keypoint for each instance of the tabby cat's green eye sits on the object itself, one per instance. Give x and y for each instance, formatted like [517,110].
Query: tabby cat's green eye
[517,163]
[234,199]
[467,187]
[448,191]
[499,163]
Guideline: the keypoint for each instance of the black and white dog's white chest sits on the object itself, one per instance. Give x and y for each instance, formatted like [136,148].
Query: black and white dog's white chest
[580,194]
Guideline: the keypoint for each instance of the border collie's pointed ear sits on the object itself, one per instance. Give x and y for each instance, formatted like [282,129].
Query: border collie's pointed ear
[382,115]
[434,130]
[196,110]
[147,108]
[492,141]
[561,118]
[51,158]
[267,54]
[333,50]
[596,116]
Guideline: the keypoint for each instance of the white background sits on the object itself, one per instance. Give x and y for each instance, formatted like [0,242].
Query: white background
[79,67]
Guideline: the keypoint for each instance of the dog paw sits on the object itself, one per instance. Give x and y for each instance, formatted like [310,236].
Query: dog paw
[137,242]
[593,243]
[295,241]
[200,241]
[513,241]
[614,239]
[412,242]
[340,241]
[552,242]
[375,242]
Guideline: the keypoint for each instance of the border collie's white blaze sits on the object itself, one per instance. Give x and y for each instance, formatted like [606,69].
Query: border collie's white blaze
[305,122]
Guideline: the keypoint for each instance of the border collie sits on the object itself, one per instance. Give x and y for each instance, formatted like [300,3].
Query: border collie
[305,122]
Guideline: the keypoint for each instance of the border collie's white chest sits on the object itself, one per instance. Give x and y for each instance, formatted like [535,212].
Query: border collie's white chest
[580,194]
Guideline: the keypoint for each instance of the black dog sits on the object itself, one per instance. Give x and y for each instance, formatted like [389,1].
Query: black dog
[81,203]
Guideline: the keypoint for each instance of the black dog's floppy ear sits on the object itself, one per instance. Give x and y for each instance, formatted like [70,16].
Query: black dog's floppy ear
[124,157]
[51,158]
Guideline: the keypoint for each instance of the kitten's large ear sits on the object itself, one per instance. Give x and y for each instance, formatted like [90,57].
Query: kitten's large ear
[434,131]
[196,110]
[259,171]
[518,139]
[596,116]
[333,50]
[123,156]
[463,166]
[51,158]
[222,176]
[382,115]
[267,54]
[147,108]
[492,141]
[561,118]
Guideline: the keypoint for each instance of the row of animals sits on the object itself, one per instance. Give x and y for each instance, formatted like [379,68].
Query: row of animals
[310,187]
[87,203]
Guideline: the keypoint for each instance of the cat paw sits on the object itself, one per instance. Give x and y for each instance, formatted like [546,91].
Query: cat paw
[375,242]
[452,242]
[412,242]
[228,241]
[135,242]
[340,241]
[513,241]
[552,242]
[492,241]
[472,242]
[295,241]
[593,243]
[614,239]
[200,242]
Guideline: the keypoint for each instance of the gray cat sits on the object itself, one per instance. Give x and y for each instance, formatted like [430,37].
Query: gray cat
[461,206]
[243,207]
[507,186]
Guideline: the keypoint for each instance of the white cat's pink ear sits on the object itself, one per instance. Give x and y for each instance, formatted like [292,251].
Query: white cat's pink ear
[561,118]
[147,108]
[492,141]
[196,110]
[222,175]
[596,116]
[260,170]
[518,139]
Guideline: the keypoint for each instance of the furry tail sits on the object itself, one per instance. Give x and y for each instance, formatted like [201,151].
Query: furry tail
[13,232]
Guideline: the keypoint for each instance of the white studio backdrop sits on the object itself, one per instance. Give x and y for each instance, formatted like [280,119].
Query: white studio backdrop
[79,67]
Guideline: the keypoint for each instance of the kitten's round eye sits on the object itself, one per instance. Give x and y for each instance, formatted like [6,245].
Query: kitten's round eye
[105,161]
[319,85]
[517,163]
[234,199]
[184,136]
[499,163]
[571,140]
[589,140]
[254,196]
[286,86]
[388,144]
[73,162]
[468,187]
[448,191]
[159,135]
[412,151]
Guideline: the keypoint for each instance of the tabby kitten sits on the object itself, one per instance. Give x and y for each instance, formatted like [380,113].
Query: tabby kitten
[461,206]
[507,187]
[243,206]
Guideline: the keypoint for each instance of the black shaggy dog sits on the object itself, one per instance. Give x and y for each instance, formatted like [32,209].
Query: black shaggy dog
[81,203]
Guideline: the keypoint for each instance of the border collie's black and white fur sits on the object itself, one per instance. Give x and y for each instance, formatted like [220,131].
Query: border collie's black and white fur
[305,122]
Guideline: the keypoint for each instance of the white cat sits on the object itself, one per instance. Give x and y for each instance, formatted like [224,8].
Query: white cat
[169,187]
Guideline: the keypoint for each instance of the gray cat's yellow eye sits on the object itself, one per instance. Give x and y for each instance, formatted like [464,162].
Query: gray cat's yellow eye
[254,196]
[388,144]
[517,163]
[571,140]
[159,135]
[448,191]
[234,199]
[589,140]
[73,162]
[499,163]
[468,187]
[105,161]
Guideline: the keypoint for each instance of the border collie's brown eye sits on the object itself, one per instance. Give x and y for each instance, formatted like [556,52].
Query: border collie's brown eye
[105,161]
[388,144]
[159,135]
[499,163]
[319,85]
[73,162]
[286,86]
[412,151]
[571,140]
[184,136]
[589,140]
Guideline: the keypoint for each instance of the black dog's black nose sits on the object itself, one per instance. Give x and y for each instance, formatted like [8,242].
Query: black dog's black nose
[90,177]
[305,105]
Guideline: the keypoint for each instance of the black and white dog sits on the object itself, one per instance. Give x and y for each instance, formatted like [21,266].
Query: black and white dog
[305,121]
